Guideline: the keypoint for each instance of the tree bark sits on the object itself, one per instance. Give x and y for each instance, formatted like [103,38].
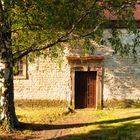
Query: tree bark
[7,96]
[7,108]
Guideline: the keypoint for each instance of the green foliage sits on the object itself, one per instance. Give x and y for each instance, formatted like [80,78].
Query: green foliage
[15,70]
[35,23]
[1,91]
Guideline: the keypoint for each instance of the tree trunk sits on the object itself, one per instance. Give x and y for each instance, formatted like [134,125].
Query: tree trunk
[7,96]
[7,108]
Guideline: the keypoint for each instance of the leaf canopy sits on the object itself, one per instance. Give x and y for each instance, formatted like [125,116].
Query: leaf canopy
[40,24]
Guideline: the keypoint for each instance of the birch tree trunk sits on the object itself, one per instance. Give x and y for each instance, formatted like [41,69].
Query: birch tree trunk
[7,93]
[7,108]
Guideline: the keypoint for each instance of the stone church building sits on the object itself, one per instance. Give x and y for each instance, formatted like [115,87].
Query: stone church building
[88,81]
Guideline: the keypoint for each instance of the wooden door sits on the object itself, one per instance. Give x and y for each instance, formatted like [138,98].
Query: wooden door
[91,90]
[85,89]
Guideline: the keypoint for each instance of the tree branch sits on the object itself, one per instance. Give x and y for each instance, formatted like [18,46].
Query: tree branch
[93,31]
[81,18]
[33,48]
[61,39]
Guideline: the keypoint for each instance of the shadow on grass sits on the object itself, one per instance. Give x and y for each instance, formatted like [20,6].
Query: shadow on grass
[21,138]
[125,131]
[39,127]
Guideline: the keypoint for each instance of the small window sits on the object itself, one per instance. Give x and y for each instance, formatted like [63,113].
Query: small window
[20,69]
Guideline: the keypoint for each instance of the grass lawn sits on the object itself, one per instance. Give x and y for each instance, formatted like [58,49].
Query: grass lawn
[85,124]
[115,124]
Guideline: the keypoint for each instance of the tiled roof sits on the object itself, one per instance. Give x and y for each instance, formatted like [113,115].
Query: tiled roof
[110,16]
[137,12]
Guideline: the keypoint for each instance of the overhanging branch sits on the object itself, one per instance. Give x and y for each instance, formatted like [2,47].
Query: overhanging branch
[33,48]
[63,38]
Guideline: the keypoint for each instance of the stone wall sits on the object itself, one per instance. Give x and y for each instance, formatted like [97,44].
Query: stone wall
[122,78]
[121,74]
[45,80]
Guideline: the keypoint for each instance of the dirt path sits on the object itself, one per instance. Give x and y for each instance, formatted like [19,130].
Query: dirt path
[58,130]
[83,125]
[62,130]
